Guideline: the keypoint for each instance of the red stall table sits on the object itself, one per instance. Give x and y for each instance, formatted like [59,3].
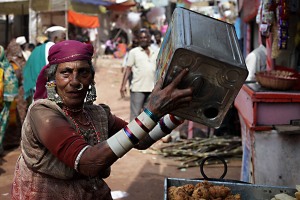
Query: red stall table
[270,128]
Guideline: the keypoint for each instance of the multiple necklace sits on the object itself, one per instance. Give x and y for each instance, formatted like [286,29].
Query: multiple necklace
[87,129]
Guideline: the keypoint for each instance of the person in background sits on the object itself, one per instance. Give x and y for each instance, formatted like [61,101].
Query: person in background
[256,60]
[16,55]
[30,47]
[8,92]
[157,40]
[135,43]
[23,43]
[141,63]
[110,47]
[121,48]
[93,34]
[67,153]
[38,59]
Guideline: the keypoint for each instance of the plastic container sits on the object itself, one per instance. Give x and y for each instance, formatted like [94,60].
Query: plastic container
[210,49]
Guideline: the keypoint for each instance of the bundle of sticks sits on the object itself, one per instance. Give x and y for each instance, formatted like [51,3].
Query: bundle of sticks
[190,152]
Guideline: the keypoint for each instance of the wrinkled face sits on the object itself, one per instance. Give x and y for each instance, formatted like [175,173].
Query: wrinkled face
[71,76]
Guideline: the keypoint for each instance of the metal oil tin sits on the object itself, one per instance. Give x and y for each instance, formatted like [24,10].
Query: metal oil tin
[217,70]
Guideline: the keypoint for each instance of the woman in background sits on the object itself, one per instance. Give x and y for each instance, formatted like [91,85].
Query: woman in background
[8,92]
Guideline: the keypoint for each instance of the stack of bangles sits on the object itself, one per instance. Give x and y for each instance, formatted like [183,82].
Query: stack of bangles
[137,129]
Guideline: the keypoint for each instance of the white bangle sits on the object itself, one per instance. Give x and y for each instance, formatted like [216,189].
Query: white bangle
[130,135]
[165,126]
[79,156]
[157,133]
[123,140]
[172,121]
[115,146]
[146,120]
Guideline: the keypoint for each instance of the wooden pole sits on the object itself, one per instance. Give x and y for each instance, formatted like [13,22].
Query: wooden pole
[6,30]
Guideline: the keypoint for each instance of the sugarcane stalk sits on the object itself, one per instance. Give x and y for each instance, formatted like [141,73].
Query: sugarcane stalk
[190,152]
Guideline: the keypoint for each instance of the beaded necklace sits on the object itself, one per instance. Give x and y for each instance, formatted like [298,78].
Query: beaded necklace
[84,133]
[73,110]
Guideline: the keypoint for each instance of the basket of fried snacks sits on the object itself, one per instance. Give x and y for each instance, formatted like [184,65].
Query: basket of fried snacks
[276,79]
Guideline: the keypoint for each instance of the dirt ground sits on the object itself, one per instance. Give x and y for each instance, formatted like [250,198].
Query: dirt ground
[138,175]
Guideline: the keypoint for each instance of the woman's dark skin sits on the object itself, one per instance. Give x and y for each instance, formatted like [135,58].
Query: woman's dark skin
[97,159]
[69,76]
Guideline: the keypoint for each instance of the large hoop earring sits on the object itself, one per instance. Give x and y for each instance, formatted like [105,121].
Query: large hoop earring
[91,95]
[51,92]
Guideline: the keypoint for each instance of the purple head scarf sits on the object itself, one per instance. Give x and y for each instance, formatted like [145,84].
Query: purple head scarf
[65,51]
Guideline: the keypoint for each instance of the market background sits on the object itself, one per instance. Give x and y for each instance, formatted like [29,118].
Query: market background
[260,128]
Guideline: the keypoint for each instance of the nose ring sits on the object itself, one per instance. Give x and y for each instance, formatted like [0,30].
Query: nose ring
[81,87]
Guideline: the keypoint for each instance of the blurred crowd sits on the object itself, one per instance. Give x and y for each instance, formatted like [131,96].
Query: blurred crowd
[20,64]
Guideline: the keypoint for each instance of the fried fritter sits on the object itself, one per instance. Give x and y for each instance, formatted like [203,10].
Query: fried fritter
[171,191]
[189,188]
[201,191]
[178,193]
[219,191]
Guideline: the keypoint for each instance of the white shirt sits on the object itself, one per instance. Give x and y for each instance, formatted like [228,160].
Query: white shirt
[26,54]
[93,32]
[256,61]
[143,69]
[48,45]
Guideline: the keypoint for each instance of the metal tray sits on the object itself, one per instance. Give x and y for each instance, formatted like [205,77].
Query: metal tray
[247,191]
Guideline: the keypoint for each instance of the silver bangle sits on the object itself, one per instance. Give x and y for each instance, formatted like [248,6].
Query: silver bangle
[79,156]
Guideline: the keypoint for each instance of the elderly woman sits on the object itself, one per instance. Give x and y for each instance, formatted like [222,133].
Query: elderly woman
[68,143]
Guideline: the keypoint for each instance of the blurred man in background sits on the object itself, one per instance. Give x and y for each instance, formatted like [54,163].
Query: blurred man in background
[141,63]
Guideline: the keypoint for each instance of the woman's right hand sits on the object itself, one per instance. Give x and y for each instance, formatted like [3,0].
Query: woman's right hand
[163,101]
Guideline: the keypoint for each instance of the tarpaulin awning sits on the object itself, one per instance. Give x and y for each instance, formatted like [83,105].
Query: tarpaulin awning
[83,20]
[17,7]
[81,6]
[95,2]
[20,7]
[92,6]
[121,6]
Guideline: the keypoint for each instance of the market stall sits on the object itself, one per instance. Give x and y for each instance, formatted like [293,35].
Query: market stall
[269,111]
[270,135]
